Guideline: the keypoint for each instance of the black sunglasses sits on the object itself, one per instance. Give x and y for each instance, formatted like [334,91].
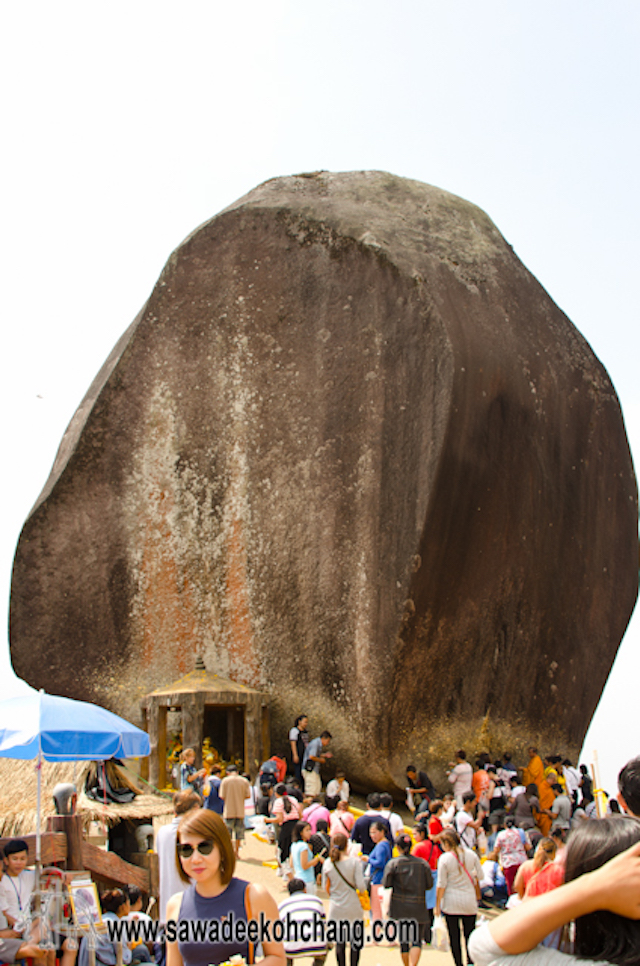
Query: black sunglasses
[185,851]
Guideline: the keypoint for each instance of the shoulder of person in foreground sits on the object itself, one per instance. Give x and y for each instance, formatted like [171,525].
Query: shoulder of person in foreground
[485,951]
[261,901]
[613,887]
[173,906]
[173,911]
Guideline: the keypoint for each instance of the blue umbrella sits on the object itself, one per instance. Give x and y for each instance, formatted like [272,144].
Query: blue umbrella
[39,725]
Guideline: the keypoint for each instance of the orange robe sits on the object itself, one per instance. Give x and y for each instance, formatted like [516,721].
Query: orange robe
[534,775]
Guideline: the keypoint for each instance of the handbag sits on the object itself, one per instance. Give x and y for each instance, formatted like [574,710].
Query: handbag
[364,897]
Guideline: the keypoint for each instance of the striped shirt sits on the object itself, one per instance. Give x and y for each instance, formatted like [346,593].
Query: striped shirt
[300,908]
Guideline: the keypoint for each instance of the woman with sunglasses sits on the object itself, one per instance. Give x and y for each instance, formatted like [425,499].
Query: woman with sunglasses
[204,855]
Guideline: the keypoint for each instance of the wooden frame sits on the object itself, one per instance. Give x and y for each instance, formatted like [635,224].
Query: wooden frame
[85,904]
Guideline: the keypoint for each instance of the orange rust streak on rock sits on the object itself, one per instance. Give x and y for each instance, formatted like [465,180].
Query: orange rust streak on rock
[243,661]
[168,624]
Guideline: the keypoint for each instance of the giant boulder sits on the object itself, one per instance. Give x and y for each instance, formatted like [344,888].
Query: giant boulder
[350,451]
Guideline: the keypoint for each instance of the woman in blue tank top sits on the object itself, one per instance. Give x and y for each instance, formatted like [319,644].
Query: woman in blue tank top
[207,924]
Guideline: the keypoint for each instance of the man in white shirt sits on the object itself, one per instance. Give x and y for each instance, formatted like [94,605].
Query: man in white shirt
[516,789]
[395,822]
[170,881]
[338,790]
[17,883]
[466,825]
[460,775]
[572,777]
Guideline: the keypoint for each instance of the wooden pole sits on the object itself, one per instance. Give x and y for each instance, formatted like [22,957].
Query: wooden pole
[601,807]
[71,825]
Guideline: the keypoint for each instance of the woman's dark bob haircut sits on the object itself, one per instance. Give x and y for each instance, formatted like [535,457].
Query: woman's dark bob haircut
[208,825]
[604,935]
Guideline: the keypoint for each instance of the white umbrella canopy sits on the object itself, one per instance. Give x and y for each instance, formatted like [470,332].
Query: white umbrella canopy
[46,726]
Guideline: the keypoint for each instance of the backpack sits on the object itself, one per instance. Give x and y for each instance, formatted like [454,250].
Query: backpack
[268,774]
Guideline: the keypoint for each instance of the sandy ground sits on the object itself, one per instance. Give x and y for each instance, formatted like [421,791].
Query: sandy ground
[251,867]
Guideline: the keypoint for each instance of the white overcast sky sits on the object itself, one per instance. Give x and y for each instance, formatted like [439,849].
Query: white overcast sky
[125,125]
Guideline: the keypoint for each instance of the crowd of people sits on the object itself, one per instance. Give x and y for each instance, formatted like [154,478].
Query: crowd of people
[527,838]
[496,837]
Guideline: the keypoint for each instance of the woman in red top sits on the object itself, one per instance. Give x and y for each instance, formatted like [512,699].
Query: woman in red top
[436,808]
[545,852]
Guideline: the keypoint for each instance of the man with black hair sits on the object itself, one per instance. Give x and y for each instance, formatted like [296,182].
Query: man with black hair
[560,811]
[507,764]
[460,775]
[586,786]
[298,741]
[395,822]
[234,789]
[301,908]
[16,888]
[213,801]
[629,787]
[466,825]
[360,831]
[315,755]
[264,801]
[572,779]
[17,883]
[294,790]
[420,785]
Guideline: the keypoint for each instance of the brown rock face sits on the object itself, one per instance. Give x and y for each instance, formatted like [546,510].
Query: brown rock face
[352,453]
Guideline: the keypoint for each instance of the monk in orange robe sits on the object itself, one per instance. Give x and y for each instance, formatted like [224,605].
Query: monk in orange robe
[534,775]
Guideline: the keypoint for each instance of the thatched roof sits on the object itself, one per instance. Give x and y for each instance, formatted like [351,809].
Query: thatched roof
[18,797]
[201,680]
